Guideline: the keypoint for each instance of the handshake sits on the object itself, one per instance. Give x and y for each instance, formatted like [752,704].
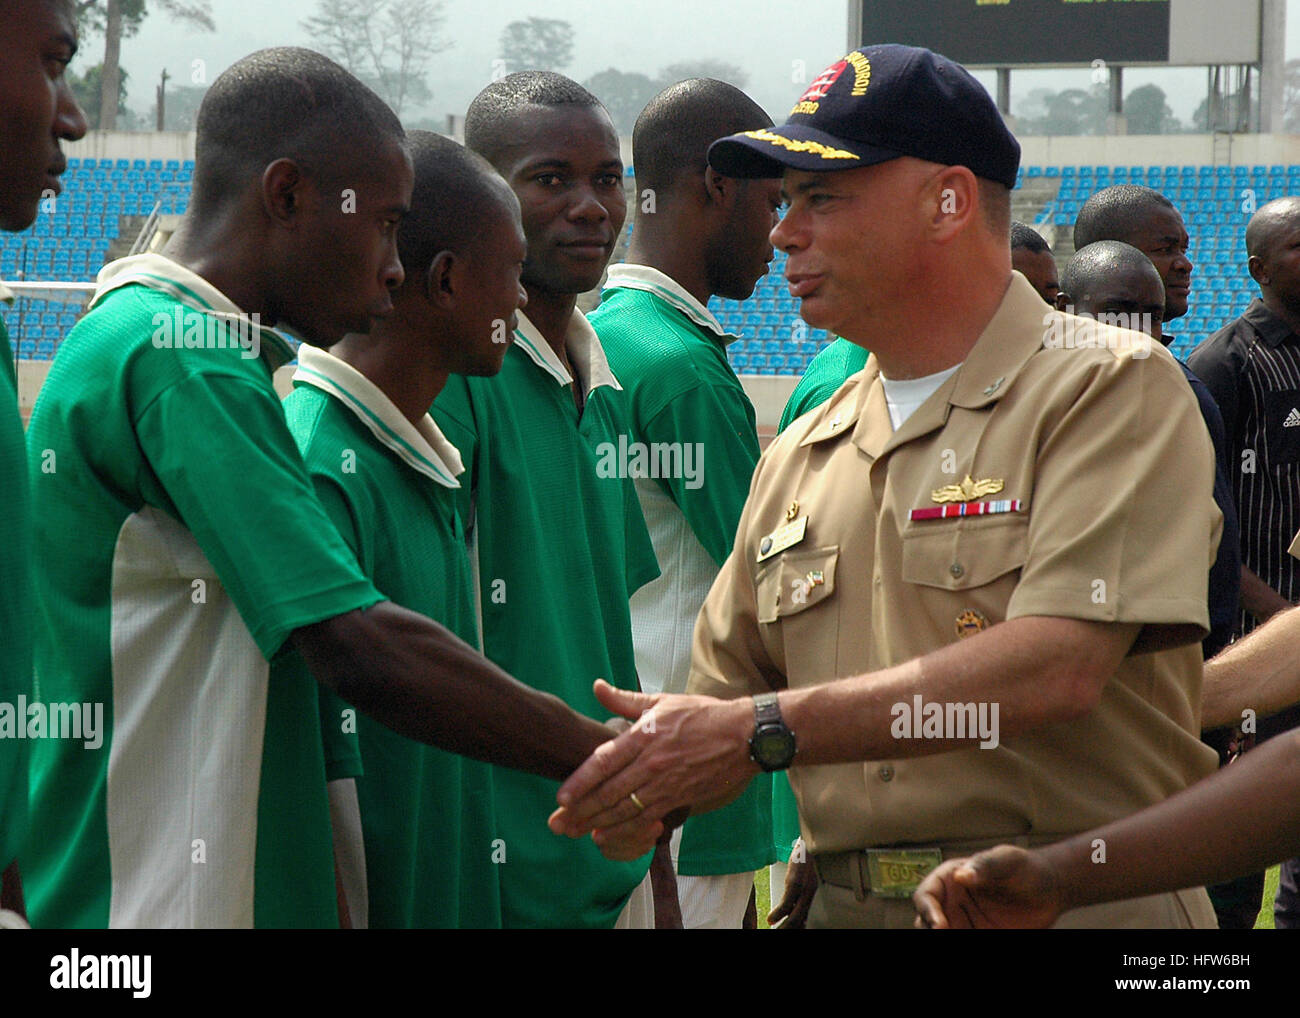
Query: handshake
[682,754]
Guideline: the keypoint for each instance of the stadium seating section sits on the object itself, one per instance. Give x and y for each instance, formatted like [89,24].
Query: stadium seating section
[72,241]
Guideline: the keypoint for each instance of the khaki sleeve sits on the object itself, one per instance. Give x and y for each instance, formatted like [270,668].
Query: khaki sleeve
[1122,520]
[729,659]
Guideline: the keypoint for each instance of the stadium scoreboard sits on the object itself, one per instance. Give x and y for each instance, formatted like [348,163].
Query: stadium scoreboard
[1035,33]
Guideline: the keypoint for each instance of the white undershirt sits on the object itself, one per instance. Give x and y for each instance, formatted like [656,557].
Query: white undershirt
[905,395]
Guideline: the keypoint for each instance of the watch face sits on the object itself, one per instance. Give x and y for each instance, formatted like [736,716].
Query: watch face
[773,749]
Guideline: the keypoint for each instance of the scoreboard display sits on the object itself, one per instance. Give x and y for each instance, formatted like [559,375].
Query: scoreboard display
[1018,33]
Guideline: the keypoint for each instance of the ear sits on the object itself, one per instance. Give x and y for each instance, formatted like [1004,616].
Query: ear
[1063,301]
[953,202]
[283,191]
[719,190]
[1257,270]
[440,281]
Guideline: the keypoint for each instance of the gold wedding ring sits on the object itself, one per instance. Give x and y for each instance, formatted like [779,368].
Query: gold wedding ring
[636,802]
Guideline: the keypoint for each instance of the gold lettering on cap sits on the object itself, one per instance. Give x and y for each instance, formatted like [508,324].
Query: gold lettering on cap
[861,72]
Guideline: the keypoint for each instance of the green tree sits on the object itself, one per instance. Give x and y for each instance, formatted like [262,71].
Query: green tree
[119,19]
[387,44]
[181,111]
[537,44]
[624,94]
[88,87]
[1073,111]
[1149,113]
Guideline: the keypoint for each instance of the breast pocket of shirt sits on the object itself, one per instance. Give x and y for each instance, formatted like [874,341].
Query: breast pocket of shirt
[966,571]
[1282,426]
[795,582]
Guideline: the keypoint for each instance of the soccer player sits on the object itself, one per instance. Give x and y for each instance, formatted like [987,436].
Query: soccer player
[387,478]
[1032,258]
[705,234]
[37,40]
[184,547]
[560,545]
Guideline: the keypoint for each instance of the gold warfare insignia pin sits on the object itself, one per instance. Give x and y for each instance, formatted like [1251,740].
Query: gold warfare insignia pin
[971,622]
[792,512]
[968,489]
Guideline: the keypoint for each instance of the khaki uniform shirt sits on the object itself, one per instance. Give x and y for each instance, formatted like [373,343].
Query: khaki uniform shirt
[1105,452]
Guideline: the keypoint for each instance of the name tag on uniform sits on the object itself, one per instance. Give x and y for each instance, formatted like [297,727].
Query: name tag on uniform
[782,538]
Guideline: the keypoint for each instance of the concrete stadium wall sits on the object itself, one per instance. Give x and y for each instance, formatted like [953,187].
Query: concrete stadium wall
[1160,150]
[162,145]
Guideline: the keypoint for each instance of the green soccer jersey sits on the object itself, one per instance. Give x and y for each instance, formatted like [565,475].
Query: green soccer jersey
[390,488]
[826,373]
[180,542]
[559,547]
[692,419]
[15,609]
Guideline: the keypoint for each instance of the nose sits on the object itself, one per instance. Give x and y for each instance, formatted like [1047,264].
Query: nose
[70,120]
[392,275]
[782,236]
[588,206]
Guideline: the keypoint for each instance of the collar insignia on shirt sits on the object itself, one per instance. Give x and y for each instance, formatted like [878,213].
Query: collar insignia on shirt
[971,622]
[967,490]
[995,386]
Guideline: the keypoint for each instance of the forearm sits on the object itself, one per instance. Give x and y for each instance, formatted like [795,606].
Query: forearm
[1258,598]
[1034,671]
[420,680]
[1236,821]
[1258,673]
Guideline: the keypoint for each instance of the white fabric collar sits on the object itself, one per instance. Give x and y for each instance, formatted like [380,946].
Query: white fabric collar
[161,273]
[643,277]
[423,448]
[582,345]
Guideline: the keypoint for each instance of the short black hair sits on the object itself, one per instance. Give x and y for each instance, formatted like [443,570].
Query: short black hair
[673,133]
[455,191]
[1098,260]
[1027,237]
[1264,225]
[285,102]
[1114,212]
[487,121]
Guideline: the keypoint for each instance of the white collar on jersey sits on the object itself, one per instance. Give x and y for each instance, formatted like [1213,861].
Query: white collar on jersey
[582,345]
[422,447]
[643,277]
[161,273]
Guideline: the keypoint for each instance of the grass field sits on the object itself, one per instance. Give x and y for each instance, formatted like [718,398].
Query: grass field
[762,881]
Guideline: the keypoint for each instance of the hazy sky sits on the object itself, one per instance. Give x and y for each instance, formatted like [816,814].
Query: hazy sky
[767,39]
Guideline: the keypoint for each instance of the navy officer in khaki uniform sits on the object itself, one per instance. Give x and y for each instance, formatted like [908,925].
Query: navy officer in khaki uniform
[966,594]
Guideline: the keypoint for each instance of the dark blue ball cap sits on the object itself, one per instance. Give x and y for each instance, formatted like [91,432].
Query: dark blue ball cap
[879,103]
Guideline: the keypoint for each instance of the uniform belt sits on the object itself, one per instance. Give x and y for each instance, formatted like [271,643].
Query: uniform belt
[852,870]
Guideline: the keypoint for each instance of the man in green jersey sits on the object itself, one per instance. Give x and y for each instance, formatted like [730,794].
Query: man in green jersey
[37,112]
[388,479]
[559,541]
[693,427]
[183,546]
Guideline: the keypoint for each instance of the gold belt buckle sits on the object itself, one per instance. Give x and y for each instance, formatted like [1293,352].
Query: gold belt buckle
[897,872]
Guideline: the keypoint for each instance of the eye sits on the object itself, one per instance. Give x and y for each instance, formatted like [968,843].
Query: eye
[611,180]
[549,179]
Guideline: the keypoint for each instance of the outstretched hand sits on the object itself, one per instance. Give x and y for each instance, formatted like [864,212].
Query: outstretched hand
[682,751]
[1005,887]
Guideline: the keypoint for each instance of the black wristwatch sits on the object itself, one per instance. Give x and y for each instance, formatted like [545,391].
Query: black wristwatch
[772,746]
